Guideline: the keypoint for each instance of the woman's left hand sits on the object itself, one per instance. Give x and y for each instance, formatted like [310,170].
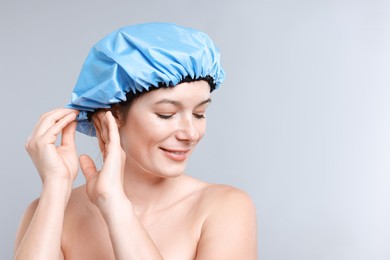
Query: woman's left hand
[105,189]
[105,186]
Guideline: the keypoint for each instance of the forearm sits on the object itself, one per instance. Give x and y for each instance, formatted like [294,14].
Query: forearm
[42,239]
[129,238]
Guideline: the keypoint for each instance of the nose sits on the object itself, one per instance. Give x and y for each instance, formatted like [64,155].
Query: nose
[187,131]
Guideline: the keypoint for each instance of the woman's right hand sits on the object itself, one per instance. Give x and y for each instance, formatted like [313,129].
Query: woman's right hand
[39,235]
[55,162]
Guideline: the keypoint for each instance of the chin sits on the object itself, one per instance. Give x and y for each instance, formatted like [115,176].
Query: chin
[171,171]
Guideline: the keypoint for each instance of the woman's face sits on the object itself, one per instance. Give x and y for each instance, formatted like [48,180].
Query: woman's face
[163,127]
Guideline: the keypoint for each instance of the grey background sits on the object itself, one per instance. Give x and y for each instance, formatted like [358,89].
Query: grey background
[302,122]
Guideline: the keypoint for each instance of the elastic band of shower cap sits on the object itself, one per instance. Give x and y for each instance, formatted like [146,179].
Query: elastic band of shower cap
[138,57]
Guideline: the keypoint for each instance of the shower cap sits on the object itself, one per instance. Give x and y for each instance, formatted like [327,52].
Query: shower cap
[138,57]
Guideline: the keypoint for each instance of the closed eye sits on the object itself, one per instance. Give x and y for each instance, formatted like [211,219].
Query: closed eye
[199,116]
[164,116]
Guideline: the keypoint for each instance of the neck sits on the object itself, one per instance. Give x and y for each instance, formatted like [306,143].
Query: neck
[146,191]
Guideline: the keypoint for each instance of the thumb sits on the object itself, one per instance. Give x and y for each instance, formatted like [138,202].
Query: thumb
[87,166]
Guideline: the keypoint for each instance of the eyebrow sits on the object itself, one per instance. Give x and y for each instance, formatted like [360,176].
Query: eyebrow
[178,103]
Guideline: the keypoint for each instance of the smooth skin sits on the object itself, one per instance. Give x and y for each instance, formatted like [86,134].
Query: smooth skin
[140,204]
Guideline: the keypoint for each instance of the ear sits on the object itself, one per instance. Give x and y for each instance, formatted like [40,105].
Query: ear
[119,115]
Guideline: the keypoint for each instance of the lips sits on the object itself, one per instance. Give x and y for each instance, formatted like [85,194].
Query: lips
[176,154]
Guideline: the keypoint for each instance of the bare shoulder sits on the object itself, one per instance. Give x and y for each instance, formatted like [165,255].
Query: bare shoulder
[79,206]
[78,195]
[218,197]
[82,219]
[229,230]
[25,222]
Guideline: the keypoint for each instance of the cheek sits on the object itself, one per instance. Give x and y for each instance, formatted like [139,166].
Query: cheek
[141,132]
[201,128]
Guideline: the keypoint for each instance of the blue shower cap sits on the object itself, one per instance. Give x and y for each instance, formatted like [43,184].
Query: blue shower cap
[138,57]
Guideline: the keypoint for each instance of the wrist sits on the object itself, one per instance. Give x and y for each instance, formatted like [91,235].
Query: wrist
[114,208]
[57,188]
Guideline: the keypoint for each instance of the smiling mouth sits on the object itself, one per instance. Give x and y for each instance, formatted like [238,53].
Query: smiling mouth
[175,151]
[176,155]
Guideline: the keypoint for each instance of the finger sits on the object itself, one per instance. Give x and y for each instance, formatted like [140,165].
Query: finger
[41,119]
[113,129]
[114,149]
[68,134]
[50,136]
[48,119]
[60,125]
[87,166]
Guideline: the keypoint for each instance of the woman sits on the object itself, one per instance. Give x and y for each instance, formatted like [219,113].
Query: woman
[143,91]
